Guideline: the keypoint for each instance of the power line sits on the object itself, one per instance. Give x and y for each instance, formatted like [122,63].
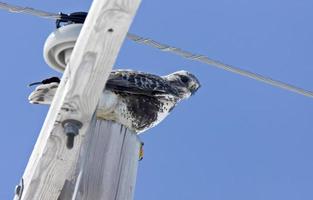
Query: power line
[174,50]
[209,61]
[27,10]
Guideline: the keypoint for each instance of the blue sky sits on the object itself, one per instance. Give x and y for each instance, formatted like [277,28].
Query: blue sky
[236,139]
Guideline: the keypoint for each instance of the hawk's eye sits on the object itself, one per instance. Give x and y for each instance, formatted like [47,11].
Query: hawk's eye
[184,79]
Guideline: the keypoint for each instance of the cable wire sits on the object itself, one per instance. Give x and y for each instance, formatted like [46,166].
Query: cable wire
[209,61]
[27,10]
[173,50]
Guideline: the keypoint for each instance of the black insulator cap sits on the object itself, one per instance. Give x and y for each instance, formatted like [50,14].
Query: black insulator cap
[51,80]
[73,18]
[46,81]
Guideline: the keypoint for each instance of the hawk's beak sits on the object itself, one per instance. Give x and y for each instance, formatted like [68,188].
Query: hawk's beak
[194,88]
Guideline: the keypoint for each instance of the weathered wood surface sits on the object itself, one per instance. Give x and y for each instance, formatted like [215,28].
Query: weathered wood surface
[108,163]
[51,163]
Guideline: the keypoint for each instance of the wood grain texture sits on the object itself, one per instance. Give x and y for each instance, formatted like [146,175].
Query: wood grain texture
[51,163]
[108,164]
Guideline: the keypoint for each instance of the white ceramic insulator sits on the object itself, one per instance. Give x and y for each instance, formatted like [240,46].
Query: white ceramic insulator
[59,46]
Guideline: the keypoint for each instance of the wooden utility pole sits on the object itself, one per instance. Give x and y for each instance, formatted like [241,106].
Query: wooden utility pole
[89,169]
[107,166]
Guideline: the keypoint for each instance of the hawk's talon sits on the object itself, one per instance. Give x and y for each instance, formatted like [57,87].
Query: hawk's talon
[141,151]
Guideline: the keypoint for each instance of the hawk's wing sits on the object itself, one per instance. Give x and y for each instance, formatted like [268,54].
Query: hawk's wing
[134,82]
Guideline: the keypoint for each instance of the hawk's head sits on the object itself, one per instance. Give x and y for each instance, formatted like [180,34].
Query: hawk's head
[186,83]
